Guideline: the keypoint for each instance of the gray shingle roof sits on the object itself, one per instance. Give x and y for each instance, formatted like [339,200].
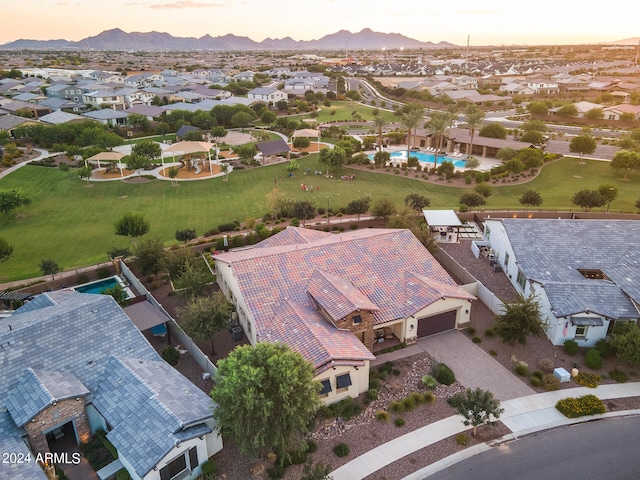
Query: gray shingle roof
[597,296]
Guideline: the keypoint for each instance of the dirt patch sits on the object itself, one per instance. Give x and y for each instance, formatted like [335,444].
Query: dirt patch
[183,172]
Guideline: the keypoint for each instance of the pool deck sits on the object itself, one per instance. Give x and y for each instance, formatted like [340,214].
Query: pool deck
[486,163]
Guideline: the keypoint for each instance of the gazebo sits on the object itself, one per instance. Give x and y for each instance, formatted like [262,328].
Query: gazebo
[308,132]
[108,157]
[189,147]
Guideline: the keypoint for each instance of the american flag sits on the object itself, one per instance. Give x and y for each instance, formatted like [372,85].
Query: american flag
[565,329]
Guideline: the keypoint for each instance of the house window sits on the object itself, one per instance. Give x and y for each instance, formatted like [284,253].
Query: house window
[185,462]
[326,387]
[581,330]
[357,319]
[343,381]
[521,279]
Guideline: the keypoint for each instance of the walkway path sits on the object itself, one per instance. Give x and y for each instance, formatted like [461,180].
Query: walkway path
[43,154]
[522,416]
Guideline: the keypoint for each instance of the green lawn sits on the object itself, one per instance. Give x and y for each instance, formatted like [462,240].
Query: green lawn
[344,110]
[73,223]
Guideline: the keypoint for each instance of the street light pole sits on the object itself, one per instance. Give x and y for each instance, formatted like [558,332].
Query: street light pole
[328,214]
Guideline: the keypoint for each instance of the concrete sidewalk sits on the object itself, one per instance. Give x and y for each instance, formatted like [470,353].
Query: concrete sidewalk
[522,416]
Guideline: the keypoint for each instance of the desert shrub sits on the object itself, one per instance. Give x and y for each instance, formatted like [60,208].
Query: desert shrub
[409,403]
[590,380]
[476,339]
[277,471]
[399,421]
[382,416]
[546,365]
[341,450]
[312,446]
[571,347]
[493,353]
[429,382]
[443,373]
[103,272]
[417,397]
[604,347]
[522,370]
[122,474]
[428,397]
[325,412]
[593,359]
[299,457]
[375,384]
[209,468]
[82,279]
[619,376]
[537,374]
[462,439]
[386,367]
[347,408]
[572,407]
[471,331]
[396,372]
[490,332]
[550,382]
[535,381]
[171,355]
[372,394]
[396,407]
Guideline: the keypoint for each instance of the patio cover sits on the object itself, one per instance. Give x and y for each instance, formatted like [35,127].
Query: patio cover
[145,315]
[273,147]
[306,132]
[190,147]
[107,157]
[441,218]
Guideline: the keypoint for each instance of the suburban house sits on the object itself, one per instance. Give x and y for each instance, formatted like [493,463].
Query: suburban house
[109,117]
[267,94]
[583,272]
[615,112]
[73,363]
[337,298]
[104,99]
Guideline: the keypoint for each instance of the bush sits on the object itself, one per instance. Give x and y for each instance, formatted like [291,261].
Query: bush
[593,359]
[299,457]
[490,332]
[619,376]
[572,407]
[546,365]
[571,347]
[550,382]
[522,370]
[443,374]
[462,439]
[471,330]
[476,339]
[341,450]
[396,407]
[604,347]
[535,381]
[103,272]
[538,374]
[347,409]
[382,416]
[399,422]
[372,394]
[122,474]
[493,353]
[277,471]
[227,227]
[312,446]
[429,382]
[409,403]
[209,468]
[171,355]
[295,222]
[428,397]
[590,380]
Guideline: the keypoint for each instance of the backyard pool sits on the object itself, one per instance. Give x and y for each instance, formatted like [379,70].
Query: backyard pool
[425,159]
[99,286]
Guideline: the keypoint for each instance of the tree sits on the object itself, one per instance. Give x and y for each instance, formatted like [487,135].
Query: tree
[594,114]
[136,162]
[587,199]
[49,267]
[203,317]
[609,193]
[471,163]
[218,132]
[381,158]
[520,319]
[506,153]
[582,144]
[245,152]
[173,173]
[185,234]
[242,119]
[383,208]
[623,160]
[474,117]
[438,124]
[493,130]
[117,292]
[266,398]
[267,117]
[192,281]
[416,201]
[6,249]
[409,218]
[472,199]
[137,120]
[411,120]
[303,210]
[149,255]
[13,199]
[446,169]
[533,136]
[477,407]
[568,111]
[380,122]
[301,143]
[148,150]
[538,108]
[536,125]
[530,197]
[626,343]
[334,157]
[359,206]
[132,225]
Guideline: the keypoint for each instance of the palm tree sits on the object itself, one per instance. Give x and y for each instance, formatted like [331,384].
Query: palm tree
[473,117]
[411,120]
[380,122]
[438,124]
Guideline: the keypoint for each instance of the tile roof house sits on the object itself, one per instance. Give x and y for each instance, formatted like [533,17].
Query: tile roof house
[585,273]
[335,298]
[76,363]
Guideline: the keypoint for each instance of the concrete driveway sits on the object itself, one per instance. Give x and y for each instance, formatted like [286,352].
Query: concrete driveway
[473,367]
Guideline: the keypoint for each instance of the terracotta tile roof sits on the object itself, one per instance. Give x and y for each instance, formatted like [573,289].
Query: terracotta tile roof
[389,268]
[293,236]
[337,295]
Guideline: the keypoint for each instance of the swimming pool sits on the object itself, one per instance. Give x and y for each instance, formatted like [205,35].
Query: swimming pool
[425,159]
[99,286]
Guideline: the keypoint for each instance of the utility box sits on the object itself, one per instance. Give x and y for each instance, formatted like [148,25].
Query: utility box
[561,374]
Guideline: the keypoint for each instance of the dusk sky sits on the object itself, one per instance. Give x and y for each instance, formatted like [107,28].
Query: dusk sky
[490,22]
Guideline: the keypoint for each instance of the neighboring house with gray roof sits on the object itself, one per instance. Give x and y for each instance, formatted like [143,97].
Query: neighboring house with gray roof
[585,273]
[335,298]
[73,363]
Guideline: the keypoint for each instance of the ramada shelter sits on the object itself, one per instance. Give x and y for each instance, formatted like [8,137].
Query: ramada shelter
[333,297]
[585,273]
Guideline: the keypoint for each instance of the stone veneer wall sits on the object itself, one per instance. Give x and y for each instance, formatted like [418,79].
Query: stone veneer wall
[54,415]
[366,326]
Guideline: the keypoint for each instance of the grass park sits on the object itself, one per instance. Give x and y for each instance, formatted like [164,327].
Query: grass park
[72,221]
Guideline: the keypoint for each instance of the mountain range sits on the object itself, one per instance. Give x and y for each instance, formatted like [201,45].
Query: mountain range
[117,39]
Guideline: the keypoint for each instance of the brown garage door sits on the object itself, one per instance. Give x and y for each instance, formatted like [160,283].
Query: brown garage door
[436,323]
